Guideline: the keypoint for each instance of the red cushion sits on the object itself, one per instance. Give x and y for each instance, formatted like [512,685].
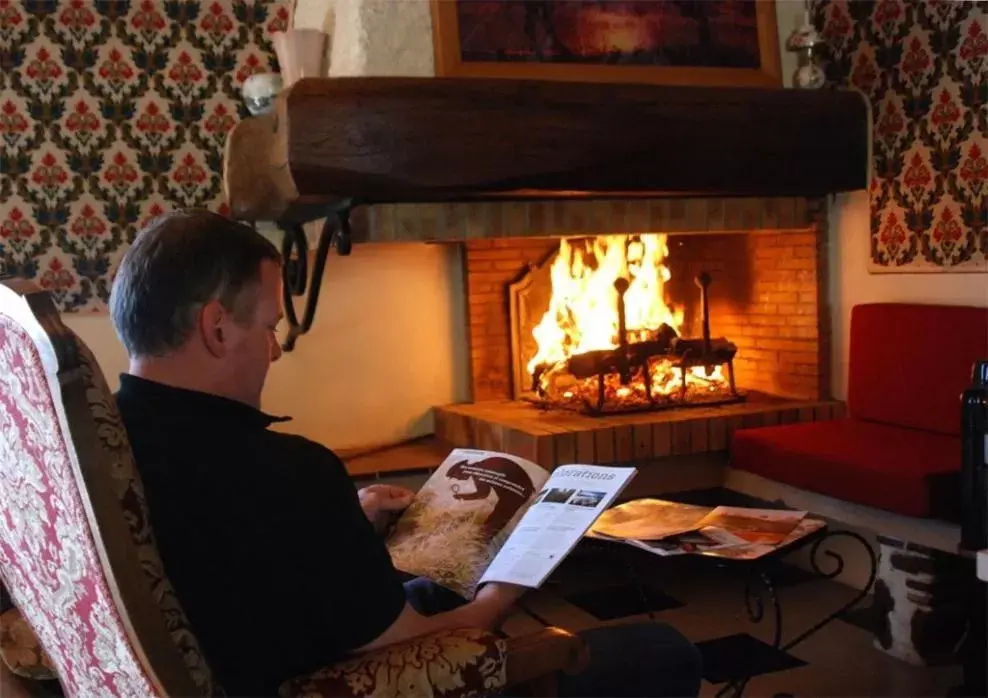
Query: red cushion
[863,462]
[910,363]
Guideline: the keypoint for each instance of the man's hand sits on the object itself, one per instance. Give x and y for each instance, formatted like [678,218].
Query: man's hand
[381,503]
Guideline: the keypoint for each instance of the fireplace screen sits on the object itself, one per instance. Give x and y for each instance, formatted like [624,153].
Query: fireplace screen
[593,331]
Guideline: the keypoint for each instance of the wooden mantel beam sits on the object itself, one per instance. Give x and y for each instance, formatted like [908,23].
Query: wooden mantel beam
[439,139]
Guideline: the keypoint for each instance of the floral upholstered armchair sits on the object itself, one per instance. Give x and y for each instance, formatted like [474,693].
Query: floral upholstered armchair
[91,602]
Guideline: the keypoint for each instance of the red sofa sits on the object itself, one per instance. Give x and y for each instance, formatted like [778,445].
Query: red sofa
[899,448]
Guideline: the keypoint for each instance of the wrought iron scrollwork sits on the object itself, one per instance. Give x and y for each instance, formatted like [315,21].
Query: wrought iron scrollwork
[837,560]
[298,282]
[758,590]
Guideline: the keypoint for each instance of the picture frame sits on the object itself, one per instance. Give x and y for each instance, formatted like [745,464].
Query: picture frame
[643,22]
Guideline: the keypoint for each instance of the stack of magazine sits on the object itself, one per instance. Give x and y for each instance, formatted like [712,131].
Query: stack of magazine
[670,528]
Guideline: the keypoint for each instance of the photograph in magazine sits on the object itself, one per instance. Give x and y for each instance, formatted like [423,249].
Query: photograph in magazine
[753,551]
[461,517]
[698,541]
[757,526]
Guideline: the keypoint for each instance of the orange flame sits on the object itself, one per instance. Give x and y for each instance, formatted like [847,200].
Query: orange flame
[583,315]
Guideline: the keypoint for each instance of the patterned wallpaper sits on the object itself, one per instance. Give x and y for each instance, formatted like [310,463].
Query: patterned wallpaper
[112,112]
[924,65]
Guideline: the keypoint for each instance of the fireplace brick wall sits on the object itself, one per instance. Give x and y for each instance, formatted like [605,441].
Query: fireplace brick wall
[490,266]
[768,296]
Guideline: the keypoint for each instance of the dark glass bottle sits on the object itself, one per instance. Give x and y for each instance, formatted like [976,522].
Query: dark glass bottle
[974,469]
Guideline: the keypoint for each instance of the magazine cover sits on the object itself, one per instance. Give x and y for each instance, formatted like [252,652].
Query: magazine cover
[461,517]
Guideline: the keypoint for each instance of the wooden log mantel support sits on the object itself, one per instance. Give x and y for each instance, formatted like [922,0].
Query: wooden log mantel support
[330,144]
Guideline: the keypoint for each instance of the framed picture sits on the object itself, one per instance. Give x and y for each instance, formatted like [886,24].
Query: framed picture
[672,42]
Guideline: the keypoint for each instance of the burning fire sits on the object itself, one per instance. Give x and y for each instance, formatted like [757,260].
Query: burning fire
[583,317]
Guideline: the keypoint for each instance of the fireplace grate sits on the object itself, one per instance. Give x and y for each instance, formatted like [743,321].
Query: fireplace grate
[623,379]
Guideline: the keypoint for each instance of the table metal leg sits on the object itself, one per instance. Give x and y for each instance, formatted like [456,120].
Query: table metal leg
[826,563]
[838,569]
[757,589]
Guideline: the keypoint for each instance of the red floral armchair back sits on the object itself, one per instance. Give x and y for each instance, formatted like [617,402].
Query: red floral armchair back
[77,553]
[48,556]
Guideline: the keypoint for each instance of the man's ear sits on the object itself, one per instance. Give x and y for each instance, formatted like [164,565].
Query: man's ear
[213,324]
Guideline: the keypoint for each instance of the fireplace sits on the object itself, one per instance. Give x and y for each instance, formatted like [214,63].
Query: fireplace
[767,294]
[763,262]
[503,169]
[594,329]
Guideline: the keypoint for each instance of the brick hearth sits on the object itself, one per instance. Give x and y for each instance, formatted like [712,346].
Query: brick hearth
[558,437]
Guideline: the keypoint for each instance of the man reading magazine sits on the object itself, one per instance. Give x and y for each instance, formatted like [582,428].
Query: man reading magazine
[271,549]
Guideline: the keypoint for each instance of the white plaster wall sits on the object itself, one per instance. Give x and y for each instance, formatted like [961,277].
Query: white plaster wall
[388,344]
[381,38]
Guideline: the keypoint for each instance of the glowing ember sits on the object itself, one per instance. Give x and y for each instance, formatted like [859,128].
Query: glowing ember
[583,317]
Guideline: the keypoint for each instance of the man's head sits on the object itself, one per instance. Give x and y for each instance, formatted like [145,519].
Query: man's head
[196,301]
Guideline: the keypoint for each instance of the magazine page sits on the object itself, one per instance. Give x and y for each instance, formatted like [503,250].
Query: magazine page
[753,551]
[648,520]
[462,515]
[701,540]
[562,511]
[758,526]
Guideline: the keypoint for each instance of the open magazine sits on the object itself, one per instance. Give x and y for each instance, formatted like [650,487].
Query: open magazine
[671,528]
[493,517]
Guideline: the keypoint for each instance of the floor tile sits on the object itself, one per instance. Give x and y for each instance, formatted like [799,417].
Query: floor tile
[865,617]
[741,655]
[609,603]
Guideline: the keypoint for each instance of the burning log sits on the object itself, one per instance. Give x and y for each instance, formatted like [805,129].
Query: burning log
[623,358]
[701,352]
[644,368]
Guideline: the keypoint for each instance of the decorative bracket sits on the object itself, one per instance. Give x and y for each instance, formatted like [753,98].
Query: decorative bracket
[295,270]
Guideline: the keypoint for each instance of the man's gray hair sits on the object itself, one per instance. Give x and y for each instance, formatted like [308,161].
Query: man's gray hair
[179,262]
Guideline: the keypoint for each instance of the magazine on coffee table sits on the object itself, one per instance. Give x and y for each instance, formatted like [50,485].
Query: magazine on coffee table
[492,517]
[670,528]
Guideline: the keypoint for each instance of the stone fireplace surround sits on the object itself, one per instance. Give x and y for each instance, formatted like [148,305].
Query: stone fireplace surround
[768,258]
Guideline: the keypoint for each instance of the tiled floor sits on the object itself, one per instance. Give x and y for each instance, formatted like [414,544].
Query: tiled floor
[706,603]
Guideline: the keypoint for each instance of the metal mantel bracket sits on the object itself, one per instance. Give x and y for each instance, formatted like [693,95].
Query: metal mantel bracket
[295,271]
